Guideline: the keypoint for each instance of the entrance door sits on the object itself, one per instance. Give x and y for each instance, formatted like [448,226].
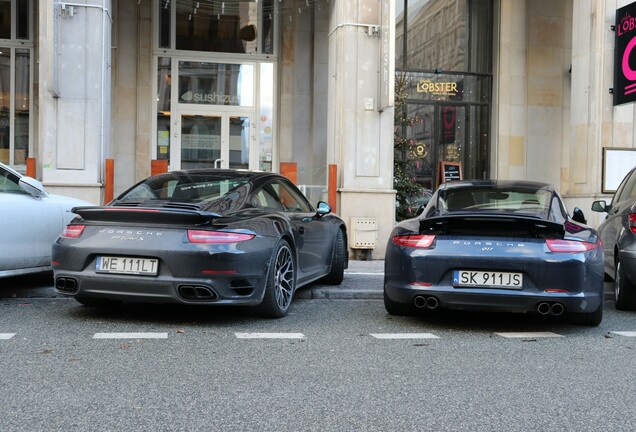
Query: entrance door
[221,140]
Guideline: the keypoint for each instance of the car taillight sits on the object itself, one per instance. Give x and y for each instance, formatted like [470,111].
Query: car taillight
[414,241]
[216,237]
[632,222]
[73,231]
[569,246]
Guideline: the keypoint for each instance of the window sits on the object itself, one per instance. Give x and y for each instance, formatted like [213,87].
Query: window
[240,27]
[15,81]
[290,199]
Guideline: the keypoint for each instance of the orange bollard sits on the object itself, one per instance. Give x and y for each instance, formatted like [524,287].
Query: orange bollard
[158,166]
[30,167]
[109,181]
[332,187]
[290,170]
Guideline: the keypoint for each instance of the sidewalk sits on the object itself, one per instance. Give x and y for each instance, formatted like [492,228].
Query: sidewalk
[362,280]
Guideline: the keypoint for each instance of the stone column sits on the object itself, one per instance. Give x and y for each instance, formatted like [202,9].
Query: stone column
[74,95]
[360,122]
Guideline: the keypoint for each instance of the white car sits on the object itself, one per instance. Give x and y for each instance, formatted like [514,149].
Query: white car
[31,219]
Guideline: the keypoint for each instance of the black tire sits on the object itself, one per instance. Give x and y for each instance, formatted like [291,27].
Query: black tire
[624,291]
[280,284]
[336,275]
[395,308]
[591,319]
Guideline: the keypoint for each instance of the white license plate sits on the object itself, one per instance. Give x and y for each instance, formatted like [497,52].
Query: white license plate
[127,265]
[491,279]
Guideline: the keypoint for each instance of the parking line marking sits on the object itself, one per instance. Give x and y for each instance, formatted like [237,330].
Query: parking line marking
[130,336]
[625,333]
[6,336]
[529,335]
[404,336]
[269,335]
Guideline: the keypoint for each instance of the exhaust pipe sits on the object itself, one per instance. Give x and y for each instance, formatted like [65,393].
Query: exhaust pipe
[543,308]
[432,303]
[420,301]
[557,309]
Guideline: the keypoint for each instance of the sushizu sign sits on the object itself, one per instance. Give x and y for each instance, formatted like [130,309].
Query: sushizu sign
[625,55]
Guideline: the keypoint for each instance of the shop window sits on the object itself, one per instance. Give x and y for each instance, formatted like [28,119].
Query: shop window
[164,84]
[204,83]
[238,27]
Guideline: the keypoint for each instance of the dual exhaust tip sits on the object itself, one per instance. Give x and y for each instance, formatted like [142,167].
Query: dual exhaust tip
[545,308]
[422,302]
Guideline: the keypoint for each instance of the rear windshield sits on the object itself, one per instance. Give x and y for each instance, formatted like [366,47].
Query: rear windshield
[208,189]
[508,199]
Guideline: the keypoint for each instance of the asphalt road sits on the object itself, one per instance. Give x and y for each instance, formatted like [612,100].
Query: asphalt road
[331,365]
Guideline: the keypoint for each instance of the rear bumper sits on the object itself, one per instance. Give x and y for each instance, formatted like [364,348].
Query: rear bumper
[495,300]
[246,291]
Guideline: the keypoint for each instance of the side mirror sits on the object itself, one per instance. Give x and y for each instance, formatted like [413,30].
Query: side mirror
[32,187]
[323,209]
[578,216]
[600,206]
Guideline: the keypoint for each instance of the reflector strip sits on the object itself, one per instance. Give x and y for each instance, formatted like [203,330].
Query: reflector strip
[625,333]
[269,335]
[130,336]
[404,336]
[6,336]
[529,335]
[219,272]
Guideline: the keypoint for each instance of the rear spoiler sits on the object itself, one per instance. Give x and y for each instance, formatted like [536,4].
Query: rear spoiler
[491,224]
[144,214]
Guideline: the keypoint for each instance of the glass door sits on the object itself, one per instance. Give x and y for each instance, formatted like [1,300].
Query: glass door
[213,141]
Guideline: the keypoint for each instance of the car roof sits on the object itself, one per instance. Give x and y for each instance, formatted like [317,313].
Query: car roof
[497,184]
[236,173]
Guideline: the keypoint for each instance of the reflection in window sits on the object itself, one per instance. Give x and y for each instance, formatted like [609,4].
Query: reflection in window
[229,26]
[216,84]
[447,35]
[22,19]
[200,141]
[266,129]
[239,142]
[5,104]
[164,84]
[5,19]
[22,98]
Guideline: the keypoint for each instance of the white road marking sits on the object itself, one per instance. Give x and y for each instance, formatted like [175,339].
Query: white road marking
[529,335]
[130,336]
[269,335]
[625,333]
[404,336]
[6,336]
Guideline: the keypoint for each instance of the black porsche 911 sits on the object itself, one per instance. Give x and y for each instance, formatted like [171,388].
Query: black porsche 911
[213,237]
[507,246]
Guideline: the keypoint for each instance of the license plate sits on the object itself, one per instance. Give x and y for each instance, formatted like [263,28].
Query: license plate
[491,279]
[127,265]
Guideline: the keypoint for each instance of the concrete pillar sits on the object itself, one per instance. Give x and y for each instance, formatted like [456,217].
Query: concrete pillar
[360,121]
[74,95]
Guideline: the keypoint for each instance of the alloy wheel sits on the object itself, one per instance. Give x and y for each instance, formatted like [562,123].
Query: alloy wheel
[284,278]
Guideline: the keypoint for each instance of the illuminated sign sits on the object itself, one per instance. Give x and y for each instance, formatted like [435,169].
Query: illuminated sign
[625,55]
[437,88]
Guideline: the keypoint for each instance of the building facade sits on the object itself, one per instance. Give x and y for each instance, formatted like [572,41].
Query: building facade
[511,89]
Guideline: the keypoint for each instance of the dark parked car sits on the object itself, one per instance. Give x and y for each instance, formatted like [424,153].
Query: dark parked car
[213,237]
[618,232]
[506,246]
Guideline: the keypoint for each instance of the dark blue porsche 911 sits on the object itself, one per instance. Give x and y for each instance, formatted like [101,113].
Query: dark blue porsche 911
[507,246]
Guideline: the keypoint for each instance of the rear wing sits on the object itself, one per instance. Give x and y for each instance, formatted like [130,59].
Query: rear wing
[144,214]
